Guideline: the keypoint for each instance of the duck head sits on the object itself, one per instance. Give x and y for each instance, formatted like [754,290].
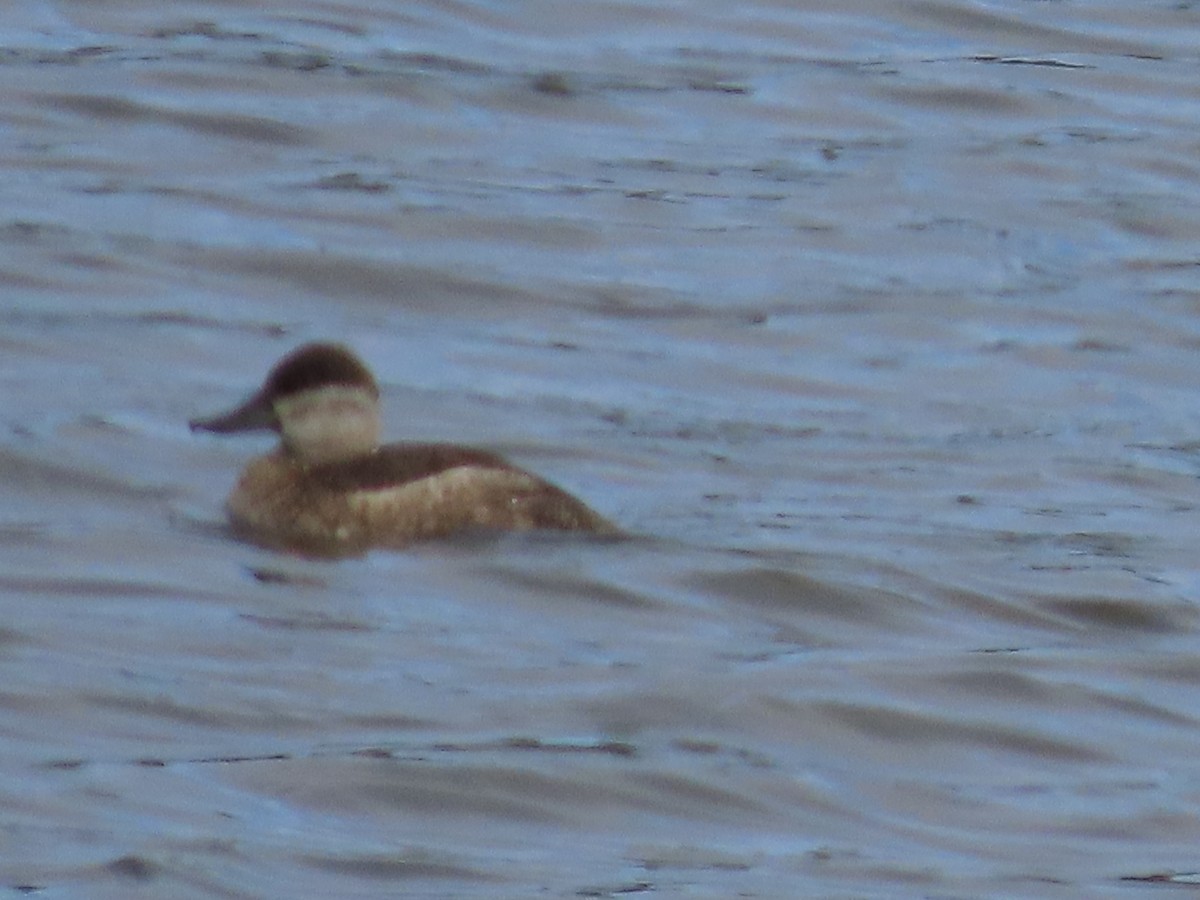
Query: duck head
[320,399]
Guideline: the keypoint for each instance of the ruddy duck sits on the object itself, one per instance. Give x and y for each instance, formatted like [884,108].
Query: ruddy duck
[331,489]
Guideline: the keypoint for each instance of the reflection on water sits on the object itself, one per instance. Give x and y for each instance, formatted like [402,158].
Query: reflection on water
[876,327]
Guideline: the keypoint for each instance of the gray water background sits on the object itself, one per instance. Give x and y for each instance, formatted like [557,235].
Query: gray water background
[875,323]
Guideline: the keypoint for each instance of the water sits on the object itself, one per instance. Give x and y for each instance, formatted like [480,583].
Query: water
[876,326]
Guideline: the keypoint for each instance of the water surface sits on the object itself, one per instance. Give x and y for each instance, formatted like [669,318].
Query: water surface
[876,327]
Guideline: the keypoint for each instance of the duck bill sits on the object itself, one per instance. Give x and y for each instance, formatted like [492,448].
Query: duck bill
[256,414]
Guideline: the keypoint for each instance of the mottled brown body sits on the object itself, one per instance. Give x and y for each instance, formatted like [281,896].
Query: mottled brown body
[336,509]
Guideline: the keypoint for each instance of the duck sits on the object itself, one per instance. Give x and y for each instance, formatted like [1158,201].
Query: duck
[331,489]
